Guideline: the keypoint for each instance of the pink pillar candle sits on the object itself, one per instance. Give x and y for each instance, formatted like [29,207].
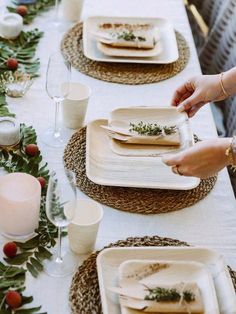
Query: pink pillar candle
[20,195]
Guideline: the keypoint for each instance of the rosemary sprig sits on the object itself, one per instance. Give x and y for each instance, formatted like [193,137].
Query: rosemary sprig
[159,294]
[129,36]
[152,129]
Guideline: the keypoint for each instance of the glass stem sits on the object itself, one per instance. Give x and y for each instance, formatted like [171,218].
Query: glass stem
[56,125]
[56,10]
[59,258]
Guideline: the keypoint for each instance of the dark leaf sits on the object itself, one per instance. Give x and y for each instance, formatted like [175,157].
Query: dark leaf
[36,263]
[28,245]
[13,271]
[5,311]
[28,311]
[32,270]
[26,300]
[19,259]
[43,253]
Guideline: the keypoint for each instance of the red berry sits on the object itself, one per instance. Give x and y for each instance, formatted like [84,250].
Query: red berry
[22,10]
[42,181]
[10,249]
[13,299]
[12,64]
[31,149]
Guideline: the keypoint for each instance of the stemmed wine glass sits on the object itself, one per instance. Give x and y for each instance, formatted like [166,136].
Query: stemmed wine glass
[56,17]
[60,209]
[57,87]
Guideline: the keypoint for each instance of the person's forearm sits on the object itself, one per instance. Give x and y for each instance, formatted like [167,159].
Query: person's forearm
[229,81]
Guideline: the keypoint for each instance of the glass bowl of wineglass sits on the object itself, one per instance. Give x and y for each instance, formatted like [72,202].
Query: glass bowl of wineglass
[60,210]
[57,87]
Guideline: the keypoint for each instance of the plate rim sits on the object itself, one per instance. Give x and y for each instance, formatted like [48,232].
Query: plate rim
[125,60]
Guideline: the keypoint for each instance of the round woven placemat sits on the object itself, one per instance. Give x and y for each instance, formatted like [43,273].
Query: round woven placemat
[124,73]
[135,200]
[84,291]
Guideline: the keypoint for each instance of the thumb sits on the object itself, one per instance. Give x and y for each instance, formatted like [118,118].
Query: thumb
[172,160]
[189,102]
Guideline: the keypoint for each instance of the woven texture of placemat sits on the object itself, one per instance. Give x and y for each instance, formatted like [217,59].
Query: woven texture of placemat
[135,200]
[84,291]
[123,73]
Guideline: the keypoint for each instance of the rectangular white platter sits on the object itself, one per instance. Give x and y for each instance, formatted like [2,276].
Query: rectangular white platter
[168,40]
[105,167]
[109,261]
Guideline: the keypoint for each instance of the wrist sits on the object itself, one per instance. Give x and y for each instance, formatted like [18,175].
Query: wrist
[222,80]
[228,80]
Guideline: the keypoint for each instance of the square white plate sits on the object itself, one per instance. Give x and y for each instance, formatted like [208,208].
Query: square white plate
[161,115]
[168,54]
[109,261]
[105,167]
[135,273]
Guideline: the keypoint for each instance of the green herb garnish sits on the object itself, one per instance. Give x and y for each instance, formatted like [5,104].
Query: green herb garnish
[152,129]
[129,36]
[168,295]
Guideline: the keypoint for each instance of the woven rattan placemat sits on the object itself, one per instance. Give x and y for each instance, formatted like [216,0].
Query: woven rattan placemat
[84,290]
[124,73]
[135,200]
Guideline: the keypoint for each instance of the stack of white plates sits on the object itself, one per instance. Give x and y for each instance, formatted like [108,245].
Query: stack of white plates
[203,266]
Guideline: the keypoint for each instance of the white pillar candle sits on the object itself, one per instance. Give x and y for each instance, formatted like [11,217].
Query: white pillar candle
[11,25]
[9,131]
[72,9]
[20,195]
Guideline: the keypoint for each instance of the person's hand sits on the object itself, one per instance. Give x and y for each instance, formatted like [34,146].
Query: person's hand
[196,92]
[202,160]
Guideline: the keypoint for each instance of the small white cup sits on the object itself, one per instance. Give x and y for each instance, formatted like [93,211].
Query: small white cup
[11,24]
[82,231]
[75,105]
[72,9]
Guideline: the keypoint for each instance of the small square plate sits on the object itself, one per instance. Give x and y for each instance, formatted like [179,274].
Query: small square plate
[162,116]
[105,167]
[152,273]
[167,54]
[109,261]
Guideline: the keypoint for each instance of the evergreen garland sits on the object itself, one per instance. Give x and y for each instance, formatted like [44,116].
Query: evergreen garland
[33,9]
[34,251]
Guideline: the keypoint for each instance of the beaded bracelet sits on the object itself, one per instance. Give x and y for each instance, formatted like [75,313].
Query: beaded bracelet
[222,85]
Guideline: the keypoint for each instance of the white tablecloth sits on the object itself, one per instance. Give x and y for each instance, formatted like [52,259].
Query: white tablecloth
[210,223]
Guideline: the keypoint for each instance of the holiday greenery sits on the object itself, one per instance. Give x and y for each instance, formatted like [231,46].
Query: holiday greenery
[23,50]
[4,111]
[34,251]
[19,54]
[33,9]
